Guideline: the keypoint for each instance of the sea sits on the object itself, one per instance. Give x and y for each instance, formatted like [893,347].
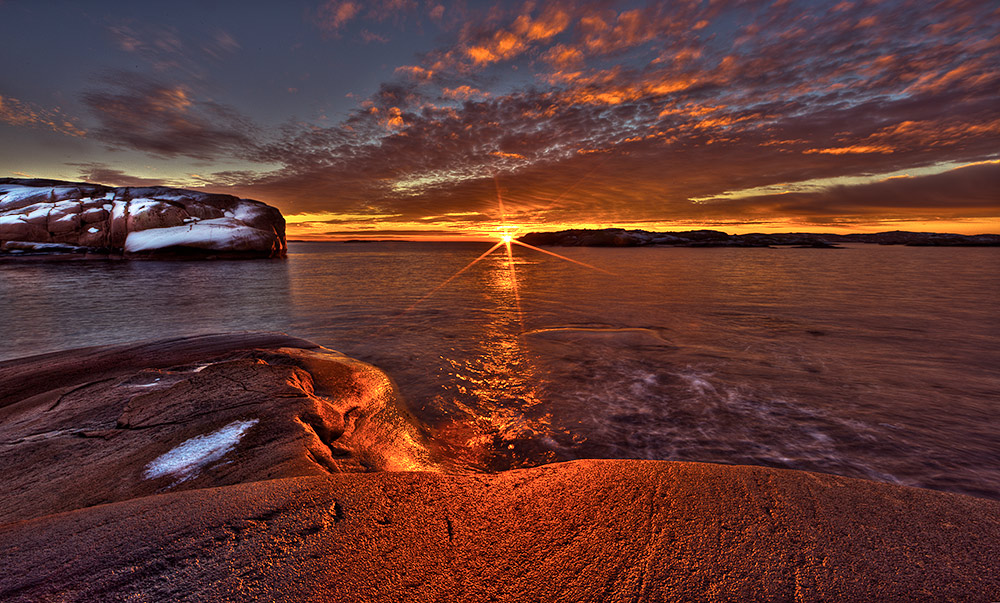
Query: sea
[875,362]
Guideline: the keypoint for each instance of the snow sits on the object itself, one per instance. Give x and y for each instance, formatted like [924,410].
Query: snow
[36,211]
[246,211]
[188,458]
[185,196]
[107,206]
[153,384]
[33,246]
[119,209]
[218,233]
[92,230]
[13,193]
[140,206]
[66,205]
[10,219]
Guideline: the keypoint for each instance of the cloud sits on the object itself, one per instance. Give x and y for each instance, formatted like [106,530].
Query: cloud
[967,191]
[169,50]
[371,37]
[625,115]
[335,14]
[19,113]
[140,113]
[463,93]
[415,72]
[102,173]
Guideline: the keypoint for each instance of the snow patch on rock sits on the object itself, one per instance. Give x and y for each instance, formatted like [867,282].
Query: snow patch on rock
[188,458]
[218,234]
[140,206]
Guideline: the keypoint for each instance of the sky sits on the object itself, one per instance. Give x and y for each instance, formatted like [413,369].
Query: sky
[437,119]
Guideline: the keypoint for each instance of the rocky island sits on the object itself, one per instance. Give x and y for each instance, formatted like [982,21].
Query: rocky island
[52,218]
[620,237]
[259,466]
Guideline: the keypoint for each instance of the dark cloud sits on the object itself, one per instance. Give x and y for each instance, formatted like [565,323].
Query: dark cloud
[101,173]
[141,113]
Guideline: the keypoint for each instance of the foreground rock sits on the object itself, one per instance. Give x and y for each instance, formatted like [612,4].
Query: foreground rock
[265,435]
[619,237]
[94,426]
[53,217]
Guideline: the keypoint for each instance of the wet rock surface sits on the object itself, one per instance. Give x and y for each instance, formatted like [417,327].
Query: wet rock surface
[258,466]
[50,217]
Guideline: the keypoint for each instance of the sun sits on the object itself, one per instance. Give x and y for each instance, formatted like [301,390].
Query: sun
[506,239]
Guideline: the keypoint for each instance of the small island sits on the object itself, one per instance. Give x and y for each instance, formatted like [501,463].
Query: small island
[70,220]
[620,237]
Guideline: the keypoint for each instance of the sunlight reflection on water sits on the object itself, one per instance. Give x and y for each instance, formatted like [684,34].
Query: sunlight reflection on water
[877,362]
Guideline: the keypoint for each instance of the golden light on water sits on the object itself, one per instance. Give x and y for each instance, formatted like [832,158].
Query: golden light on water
[506,241]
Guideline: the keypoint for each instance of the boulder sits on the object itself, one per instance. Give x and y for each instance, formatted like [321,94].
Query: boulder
[151,222]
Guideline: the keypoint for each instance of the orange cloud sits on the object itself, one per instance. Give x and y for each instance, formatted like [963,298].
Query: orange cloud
[503,45]
[851,150]
[562,56]
[548,25]
[17,113]
[336,13]
[507,155]
[416,72]
[395,119]
[464,93]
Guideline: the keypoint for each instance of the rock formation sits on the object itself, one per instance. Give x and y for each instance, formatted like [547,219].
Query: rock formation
[263,467]
[619,237]
[54,217]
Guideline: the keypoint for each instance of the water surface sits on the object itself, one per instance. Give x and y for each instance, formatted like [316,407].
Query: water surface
[873,362]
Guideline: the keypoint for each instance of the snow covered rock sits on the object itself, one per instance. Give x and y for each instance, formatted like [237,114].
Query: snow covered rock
[46,216]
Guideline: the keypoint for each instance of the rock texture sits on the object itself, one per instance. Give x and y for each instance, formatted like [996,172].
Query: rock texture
[303,501]
[54,217]
[618,237]
[85,428]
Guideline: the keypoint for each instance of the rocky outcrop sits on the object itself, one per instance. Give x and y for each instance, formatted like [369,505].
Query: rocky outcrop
[263,467]
[54,217]
[619,237]
[103,425]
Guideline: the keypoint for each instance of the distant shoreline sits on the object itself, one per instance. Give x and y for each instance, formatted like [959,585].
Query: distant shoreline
[619,237]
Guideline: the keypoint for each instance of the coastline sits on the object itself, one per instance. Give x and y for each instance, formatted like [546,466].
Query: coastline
[313,503]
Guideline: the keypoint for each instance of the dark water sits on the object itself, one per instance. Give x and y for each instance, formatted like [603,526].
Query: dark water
[873,362]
